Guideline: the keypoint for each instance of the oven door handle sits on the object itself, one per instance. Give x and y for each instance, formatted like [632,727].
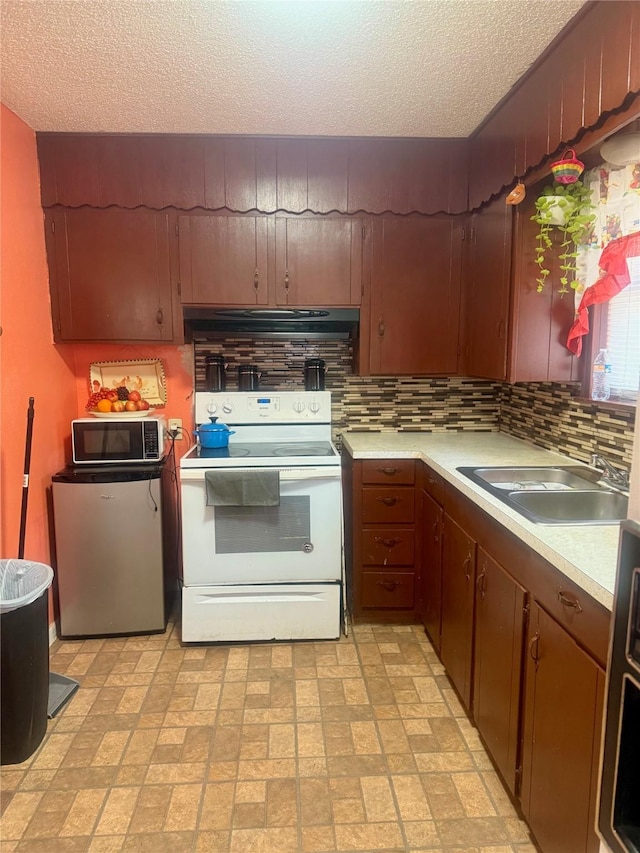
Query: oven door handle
[289,474]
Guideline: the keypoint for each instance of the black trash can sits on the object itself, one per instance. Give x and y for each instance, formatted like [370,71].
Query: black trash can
[24,658]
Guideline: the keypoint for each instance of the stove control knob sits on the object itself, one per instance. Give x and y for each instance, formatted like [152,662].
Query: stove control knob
[212,408]
[314,406]
[298,406]
[227,408]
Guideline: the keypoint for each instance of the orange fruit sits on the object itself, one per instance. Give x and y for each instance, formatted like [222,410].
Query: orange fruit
[104,406]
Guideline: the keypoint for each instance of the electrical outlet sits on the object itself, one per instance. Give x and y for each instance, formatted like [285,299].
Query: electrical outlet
[175,428]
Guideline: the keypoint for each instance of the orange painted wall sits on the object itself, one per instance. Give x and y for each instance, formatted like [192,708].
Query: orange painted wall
[178,370]
[30,364]
[57,376]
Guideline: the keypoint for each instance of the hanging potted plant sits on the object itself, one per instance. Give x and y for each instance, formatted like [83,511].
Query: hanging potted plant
[567,207]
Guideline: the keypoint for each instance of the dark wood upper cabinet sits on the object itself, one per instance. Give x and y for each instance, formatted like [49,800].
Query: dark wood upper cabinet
[110,275]
[251,173]
[539,322]
[488,271]
[458,588]
[319,261]
[120,171]
[497,662]
[405,176]
[223,260]
[69,171]
[590,71]
[415,295]
[327,175]
[563,708]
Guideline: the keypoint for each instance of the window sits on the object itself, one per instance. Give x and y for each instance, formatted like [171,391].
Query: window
[617,329]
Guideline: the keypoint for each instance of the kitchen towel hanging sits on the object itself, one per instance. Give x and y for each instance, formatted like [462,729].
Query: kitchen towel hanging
[242,488]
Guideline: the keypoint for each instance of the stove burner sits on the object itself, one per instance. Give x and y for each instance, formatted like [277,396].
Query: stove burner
[303,450]
[222,452]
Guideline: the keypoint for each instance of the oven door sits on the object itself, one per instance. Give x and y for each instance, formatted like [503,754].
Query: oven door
[298,540]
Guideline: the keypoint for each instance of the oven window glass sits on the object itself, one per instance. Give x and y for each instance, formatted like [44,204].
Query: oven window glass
[626,810]
[264,529]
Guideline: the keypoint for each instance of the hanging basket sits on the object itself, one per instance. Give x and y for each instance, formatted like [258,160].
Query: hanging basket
[568,168]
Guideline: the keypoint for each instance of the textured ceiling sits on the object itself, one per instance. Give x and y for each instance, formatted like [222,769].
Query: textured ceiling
[317,67]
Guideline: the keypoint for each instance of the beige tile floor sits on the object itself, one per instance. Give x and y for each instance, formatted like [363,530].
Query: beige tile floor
[359,745]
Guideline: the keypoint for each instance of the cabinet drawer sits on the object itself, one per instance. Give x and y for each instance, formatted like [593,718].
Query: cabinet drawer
[388,547]
[382,506]
[397,471]
[394,590]
[433,484]
[585,619]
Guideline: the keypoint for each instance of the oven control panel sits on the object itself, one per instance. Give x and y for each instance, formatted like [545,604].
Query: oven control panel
[253,407]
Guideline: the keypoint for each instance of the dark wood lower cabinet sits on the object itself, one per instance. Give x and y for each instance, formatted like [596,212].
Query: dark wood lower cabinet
[522,645]
[382,554]
[458,586]
[497,663]
[431,568]
[563,712]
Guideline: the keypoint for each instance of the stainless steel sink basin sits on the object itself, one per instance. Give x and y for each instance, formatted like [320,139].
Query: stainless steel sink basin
[554,495]
[524,479]
[595,507]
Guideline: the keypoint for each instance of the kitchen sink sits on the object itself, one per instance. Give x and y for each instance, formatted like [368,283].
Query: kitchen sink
[554,495]
[526,479]
[576,507]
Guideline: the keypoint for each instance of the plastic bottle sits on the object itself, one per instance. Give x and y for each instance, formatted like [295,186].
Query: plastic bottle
[601,377]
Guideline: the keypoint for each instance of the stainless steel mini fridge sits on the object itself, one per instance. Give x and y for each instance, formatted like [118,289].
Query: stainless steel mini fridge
[109,550]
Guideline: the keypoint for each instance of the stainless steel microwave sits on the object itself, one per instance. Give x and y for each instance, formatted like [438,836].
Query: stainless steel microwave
[116,440]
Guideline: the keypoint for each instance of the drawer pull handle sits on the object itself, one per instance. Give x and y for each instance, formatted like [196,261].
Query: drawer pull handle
[481,583]
[390,585]
[388,501]
[533,648]
[436,528]
[569,601]
[389,471]
[388,543]
[466,565]
[433,481]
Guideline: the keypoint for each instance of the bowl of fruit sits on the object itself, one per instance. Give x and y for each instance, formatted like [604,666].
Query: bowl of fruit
[117,403]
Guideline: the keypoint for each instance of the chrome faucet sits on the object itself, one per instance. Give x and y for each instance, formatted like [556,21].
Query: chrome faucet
[613,476]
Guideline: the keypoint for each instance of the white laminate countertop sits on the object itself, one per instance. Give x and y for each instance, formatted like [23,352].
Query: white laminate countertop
[587,554]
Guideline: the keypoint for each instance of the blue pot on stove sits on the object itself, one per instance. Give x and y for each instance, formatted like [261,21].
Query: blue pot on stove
[214,434]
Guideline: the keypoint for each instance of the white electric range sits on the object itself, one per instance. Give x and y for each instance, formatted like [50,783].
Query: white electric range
[263,572]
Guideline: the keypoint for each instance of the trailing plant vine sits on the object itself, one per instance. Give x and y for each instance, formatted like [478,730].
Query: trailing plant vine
[568,208]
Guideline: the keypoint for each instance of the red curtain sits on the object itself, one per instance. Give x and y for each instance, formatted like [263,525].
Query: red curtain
[613,278]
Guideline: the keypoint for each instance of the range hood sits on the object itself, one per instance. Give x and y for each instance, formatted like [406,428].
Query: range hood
[206,323]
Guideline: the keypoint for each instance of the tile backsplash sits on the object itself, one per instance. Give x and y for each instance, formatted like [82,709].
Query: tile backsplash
[369,403]
[547,414]
[551,415]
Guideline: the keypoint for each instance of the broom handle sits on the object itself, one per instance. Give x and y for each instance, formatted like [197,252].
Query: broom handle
[25,479]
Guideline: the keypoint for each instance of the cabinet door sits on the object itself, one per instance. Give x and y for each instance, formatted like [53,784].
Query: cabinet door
[540,321]
[563,704]
[497,662]
[111,277]
[431,568]
[223,260]
[319,261]
[415,295]
[458,579]
[488,284]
